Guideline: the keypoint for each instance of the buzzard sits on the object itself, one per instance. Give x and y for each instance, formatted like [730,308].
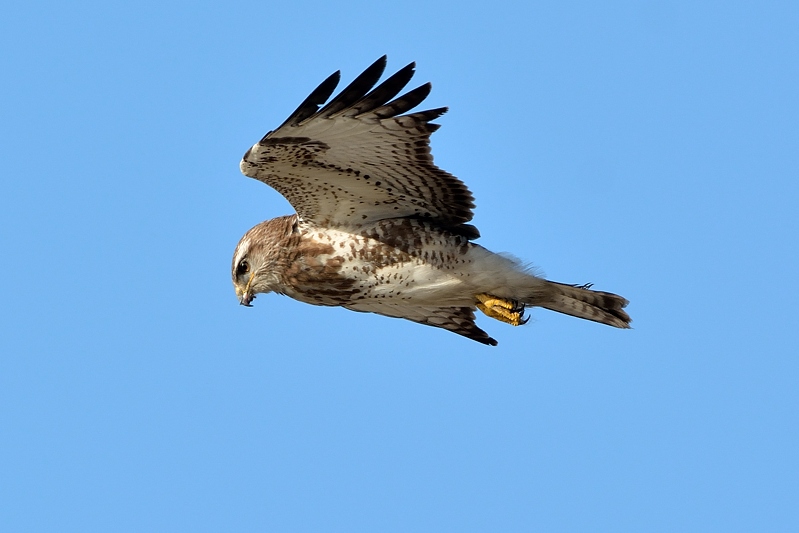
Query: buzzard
[379,228]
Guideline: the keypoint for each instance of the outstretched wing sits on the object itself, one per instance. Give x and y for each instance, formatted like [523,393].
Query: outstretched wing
[458,320]
[359,159]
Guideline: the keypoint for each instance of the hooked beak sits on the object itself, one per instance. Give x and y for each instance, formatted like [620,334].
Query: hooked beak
[246,298]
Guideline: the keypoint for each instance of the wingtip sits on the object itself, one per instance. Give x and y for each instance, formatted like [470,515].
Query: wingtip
[333,78]
[381,63]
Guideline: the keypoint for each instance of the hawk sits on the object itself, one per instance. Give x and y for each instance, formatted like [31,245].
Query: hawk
[379,228]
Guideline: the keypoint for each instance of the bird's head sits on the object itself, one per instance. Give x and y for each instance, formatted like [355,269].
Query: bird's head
[253,268]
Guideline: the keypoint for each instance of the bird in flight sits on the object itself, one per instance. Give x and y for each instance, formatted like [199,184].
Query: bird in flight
[379,228]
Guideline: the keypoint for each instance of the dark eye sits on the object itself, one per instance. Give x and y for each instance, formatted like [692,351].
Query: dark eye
[243,268]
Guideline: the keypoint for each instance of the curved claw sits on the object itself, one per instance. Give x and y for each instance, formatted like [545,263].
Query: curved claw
[516,306]
[508,311]
[246,299]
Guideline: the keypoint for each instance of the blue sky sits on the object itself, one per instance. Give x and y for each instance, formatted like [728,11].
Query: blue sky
[649,148]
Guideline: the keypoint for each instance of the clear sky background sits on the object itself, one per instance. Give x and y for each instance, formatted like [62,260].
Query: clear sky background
[650,148]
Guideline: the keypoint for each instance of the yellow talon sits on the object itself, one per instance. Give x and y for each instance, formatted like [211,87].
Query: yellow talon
[500,309]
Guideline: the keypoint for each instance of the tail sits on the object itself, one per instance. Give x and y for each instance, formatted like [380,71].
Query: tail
[579,301]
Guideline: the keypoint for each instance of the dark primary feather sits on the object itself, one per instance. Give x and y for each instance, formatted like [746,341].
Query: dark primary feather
[357,96]
[385,91]
[404,103]
[355,90]
[310,105]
